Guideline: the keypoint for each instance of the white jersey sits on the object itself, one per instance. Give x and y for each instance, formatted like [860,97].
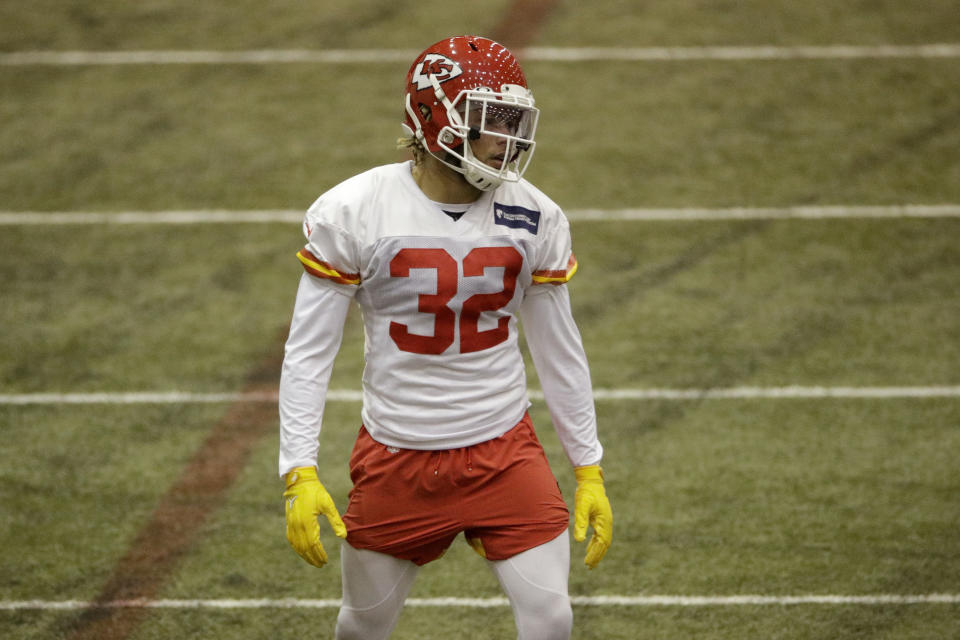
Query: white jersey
[440,299]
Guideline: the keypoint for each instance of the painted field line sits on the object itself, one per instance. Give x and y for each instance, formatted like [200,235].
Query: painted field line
[774,393]
[221,216]
[199,216]
[483,603]
[600,394]
[761,52]
[538,54]
[770,213]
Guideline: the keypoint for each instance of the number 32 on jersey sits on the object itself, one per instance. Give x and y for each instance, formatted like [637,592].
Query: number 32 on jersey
[444,318]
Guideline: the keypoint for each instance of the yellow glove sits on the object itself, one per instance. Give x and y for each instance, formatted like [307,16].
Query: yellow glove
[477,545]
[591,507]
[305,500]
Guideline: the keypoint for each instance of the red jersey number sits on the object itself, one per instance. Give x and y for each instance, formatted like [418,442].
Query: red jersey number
[436,304]
[474,265]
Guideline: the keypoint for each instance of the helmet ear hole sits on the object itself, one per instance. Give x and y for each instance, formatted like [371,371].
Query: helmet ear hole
[425,112]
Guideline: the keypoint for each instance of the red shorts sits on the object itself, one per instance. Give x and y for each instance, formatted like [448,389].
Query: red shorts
[411,504]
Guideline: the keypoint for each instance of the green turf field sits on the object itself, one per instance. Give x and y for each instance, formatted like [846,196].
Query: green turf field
[712,498]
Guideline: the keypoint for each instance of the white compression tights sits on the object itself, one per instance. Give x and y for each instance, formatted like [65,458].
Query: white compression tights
[375,587]
[535,581]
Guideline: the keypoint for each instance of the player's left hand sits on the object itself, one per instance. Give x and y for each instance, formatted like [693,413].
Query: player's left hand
[591,507]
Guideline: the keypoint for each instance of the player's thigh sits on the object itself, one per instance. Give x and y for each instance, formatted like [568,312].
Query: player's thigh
[370,578]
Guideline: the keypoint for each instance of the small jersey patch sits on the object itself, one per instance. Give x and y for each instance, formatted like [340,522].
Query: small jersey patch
[516,217]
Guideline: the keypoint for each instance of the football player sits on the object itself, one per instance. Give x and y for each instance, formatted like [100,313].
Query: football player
[444,254]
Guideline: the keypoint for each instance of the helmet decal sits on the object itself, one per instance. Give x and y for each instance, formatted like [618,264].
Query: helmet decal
[437,65]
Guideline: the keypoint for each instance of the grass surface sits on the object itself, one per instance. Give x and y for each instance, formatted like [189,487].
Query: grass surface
[711,497]
[687,134]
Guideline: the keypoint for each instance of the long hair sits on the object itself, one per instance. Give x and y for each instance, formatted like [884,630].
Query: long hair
[414,146]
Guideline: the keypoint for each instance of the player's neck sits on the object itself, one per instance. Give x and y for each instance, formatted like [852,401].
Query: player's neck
[440,183]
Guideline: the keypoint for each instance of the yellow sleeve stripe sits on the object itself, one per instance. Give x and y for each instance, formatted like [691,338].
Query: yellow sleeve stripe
[559,276]
[317,267]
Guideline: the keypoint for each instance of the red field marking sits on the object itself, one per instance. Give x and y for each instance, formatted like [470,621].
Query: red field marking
[178,518]
[519,25]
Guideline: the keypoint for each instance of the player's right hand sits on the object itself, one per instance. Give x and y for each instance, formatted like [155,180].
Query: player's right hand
[305,500]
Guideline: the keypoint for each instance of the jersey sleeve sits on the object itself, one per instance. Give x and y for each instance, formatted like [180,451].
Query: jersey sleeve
[332,251]
[556,263]
[557,350]
[316,331]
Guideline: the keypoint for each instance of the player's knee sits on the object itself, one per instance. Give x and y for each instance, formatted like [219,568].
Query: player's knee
[348,626]
[560,620]
[368,624]
[550,619]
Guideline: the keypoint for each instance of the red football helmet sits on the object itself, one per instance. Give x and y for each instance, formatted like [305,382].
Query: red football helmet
[462,88]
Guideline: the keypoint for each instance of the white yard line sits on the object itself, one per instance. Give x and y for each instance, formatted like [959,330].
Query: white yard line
[223,216]
[767,213]
[158,397]
[775,393]
[352,395]
[540,54]
[654,54]
[614,600]
[199,216]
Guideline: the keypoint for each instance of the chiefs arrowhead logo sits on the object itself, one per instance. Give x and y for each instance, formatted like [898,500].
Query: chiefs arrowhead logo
[437,65]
